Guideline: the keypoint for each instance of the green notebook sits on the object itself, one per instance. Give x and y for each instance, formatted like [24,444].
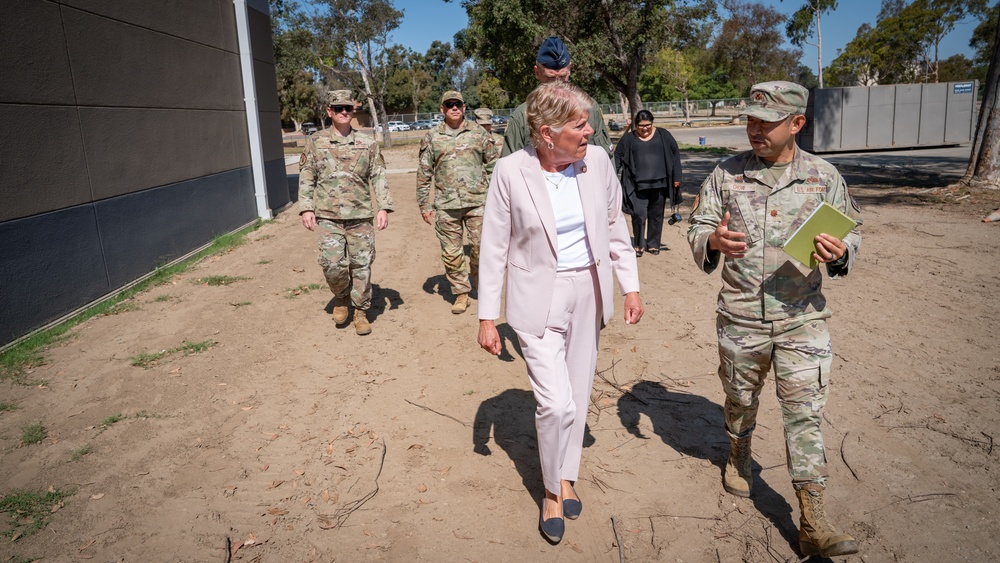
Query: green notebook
[824,219]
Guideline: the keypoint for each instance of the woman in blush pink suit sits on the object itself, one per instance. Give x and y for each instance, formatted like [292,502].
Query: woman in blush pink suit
[553,225]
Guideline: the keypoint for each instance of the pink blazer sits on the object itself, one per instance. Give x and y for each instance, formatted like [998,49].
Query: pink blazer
[519,238]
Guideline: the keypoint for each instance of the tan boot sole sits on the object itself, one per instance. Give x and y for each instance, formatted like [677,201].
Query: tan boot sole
[742,493]
[848,547]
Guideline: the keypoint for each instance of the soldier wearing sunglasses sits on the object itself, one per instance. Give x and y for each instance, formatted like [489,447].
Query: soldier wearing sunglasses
[456,157]
[338,171]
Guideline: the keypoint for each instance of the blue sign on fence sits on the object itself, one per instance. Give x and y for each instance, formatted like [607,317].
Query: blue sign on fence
[963,88]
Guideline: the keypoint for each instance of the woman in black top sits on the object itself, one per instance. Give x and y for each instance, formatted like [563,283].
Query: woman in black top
[649,167]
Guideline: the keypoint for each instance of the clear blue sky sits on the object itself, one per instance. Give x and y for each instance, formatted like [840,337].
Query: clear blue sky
[425,21]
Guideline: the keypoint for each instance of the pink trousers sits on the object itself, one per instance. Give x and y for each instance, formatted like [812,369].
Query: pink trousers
[561,369]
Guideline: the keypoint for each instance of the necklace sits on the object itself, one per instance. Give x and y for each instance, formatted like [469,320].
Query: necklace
[555,183]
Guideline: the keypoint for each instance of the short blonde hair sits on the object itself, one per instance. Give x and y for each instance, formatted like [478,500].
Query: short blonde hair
[554,104]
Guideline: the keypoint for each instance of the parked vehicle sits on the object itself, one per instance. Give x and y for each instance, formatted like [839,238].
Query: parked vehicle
[422,124]
[308,128]
[396,126]
[615,125]
[500,119]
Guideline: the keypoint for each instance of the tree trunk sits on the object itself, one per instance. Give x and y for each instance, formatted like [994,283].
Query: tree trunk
[371,103]
[984,162]
[819,49]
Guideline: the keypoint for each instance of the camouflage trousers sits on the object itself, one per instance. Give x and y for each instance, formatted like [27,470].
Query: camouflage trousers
[799,349]
[451,225]
[346,253]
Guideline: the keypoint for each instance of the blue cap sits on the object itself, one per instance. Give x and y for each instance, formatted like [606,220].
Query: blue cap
[553,54]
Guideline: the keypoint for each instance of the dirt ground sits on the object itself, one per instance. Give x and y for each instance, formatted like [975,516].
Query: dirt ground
[290,439]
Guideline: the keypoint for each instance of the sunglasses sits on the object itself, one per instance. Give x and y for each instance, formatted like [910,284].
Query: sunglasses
[340,109]
[452,104]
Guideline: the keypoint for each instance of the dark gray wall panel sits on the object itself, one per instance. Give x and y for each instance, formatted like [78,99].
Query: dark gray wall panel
[50,264]
[241,141]
[147,229]
[249,197]
[829,112]
[260,36]
[35,28]
[277,183]
[265,83]
[270,136]
[149,69]
[134,149]
[196,20]
[38,174]
[227,15]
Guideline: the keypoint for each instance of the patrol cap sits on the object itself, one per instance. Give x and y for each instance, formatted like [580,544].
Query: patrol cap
[483,116]
[774,101]
[452,95]
[553,54]
[340,98]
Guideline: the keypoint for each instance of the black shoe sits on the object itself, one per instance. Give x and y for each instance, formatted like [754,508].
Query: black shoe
[653,251]
[553,528]
[572,507]
[638,252]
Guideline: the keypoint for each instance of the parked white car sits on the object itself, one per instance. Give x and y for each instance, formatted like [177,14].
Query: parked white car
[398,126]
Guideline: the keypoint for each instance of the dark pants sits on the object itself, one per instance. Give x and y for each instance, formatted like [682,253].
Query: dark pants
[647,218]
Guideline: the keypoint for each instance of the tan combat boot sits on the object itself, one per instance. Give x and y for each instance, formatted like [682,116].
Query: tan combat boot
[817,536]
[340,309]
[461,303]
[737,480]
[361,324]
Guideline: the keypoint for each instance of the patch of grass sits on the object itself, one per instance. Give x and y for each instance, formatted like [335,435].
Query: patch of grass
[470,392]
[17,361]
[263,262]
[164,297]
[292,293]
[194,347]
[80,453]
[147,359]
[4,406]
[33,433]
[29,511]
[239,304]
[123,307]
[113,419]
[147,414]
[263,237]
[219,280]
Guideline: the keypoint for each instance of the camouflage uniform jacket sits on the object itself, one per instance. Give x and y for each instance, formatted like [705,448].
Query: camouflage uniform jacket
[518,135]
[767,284]
[337,175]
[459,162]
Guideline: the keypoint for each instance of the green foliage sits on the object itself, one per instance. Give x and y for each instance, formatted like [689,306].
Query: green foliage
[146,360]
[33,433]
[29,511]
[491,94]
[293,292]
[123,307]
[954,68]
[111,419]
[263,262]
[5,406]
[163,298]
[219,280]
[80,453]
[748,45]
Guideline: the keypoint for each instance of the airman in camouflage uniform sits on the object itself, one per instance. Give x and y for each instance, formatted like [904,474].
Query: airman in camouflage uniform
[552,63]
[484,118]
[337,172]
[771,309]
[457,157]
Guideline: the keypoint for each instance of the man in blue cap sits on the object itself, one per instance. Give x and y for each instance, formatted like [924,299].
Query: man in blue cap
[551,64]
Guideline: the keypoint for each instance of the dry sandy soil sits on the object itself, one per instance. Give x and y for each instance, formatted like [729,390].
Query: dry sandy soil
[293,440]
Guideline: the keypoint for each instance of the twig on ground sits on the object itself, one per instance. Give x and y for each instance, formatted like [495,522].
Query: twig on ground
[990,451]
[986,445]
[229,550]
[926,233]
[618,540]
[342,514]
[622,444]
[844,456]
[913,499]
[623,391]
[438,413]
[652,533]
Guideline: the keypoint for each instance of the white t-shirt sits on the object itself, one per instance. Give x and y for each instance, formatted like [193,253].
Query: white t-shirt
[571,239]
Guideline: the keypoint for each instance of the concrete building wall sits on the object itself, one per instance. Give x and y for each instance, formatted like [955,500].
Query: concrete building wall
[124,143]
